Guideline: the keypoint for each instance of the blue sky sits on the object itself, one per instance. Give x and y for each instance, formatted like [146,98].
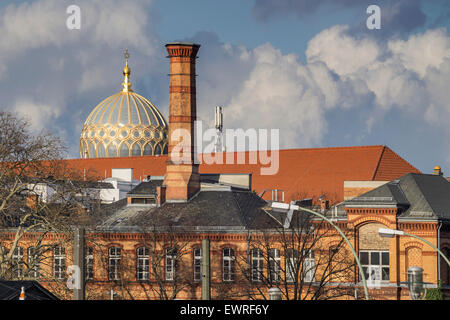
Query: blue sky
[310,68]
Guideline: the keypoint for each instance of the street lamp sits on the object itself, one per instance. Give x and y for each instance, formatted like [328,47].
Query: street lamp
[415,274]
[285,207]
[390,233]
[415,283]
[274,294]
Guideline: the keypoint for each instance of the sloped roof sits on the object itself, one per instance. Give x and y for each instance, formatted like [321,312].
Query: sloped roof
[420,196]
[10,290]
[302,173]
[218,210]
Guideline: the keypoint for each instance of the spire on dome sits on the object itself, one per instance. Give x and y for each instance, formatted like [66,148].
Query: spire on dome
[126,73]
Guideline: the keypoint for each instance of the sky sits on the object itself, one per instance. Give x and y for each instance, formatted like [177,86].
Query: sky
[311,69]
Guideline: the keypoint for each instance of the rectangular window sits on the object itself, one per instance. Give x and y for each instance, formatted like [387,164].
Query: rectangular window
[34,263]
[291,266]
[114,263]
[143,264]
[375,265]
[59,263]
[274,265]
[171,263]
[257,265]
[197,264]
[309,268]
[228,264]
[18,262]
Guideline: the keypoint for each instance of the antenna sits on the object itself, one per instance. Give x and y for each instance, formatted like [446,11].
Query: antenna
[218,147]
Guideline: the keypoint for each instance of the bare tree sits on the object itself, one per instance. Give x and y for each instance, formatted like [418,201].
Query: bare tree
[159,266]
[39,197]
[306,259]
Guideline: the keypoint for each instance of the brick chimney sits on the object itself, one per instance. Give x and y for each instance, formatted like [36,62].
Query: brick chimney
[182,179]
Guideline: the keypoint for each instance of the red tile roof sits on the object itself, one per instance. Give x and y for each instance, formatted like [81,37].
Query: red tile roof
[302,173]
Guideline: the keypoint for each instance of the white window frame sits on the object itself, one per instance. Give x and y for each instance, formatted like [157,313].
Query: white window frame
[143,264]
[375,271]
[197,264]
[309,268]
[59,262]
[17,258]
[34,263]
[274,265]
[170,264]
[228,259]
[291,265]
[114,263]
[257,264]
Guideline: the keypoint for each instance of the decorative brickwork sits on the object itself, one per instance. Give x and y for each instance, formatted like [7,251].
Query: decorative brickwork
[369,239]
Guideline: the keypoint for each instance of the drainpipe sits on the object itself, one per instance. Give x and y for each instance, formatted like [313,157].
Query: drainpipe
[205,269]
[439,247]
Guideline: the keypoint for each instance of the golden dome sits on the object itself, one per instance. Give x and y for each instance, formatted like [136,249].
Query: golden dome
[124,124]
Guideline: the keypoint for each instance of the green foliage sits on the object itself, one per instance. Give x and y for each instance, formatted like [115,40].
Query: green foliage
[435,293]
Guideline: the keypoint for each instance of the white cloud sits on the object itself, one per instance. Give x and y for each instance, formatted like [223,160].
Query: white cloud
[407,74]
[342,53]
[38,115]
[48,72]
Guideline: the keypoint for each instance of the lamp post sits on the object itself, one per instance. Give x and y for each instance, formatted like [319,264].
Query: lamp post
[390,233]
[284,207]
[415,274]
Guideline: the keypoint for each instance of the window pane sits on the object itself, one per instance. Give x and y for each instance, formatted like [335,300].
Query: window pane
[364,257]
[385,258]
[385,273]
[374,258]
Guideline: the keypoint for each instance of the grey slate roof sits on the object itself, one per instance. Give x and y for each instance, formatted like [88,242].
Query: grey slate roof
[419,196]
[146,188]
[212,210]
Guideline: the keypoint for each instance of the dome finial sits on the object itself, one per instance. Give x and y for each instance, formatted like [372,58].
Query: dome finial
[126,73]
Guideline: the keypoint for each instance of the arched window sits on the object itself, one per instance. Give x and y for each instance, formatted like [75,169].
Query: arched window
[136,150]
[157,150]
[124,150]
[228,264]
[142,263]
[148,151]
[114,263]
[101,152]
[257,261]
[112,150]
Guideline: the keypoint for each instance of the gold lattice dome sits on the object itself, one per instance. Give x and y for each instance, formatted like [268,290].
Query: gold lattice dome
[124,124]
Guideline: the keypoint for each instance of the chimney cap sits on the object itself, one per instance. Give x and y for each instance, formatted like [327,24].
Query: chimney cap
[437,170]
[180,43]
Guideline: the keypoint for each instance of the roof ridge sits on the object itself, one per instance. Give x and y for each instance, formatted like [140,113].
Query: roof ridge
[378,163]
[246,151]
